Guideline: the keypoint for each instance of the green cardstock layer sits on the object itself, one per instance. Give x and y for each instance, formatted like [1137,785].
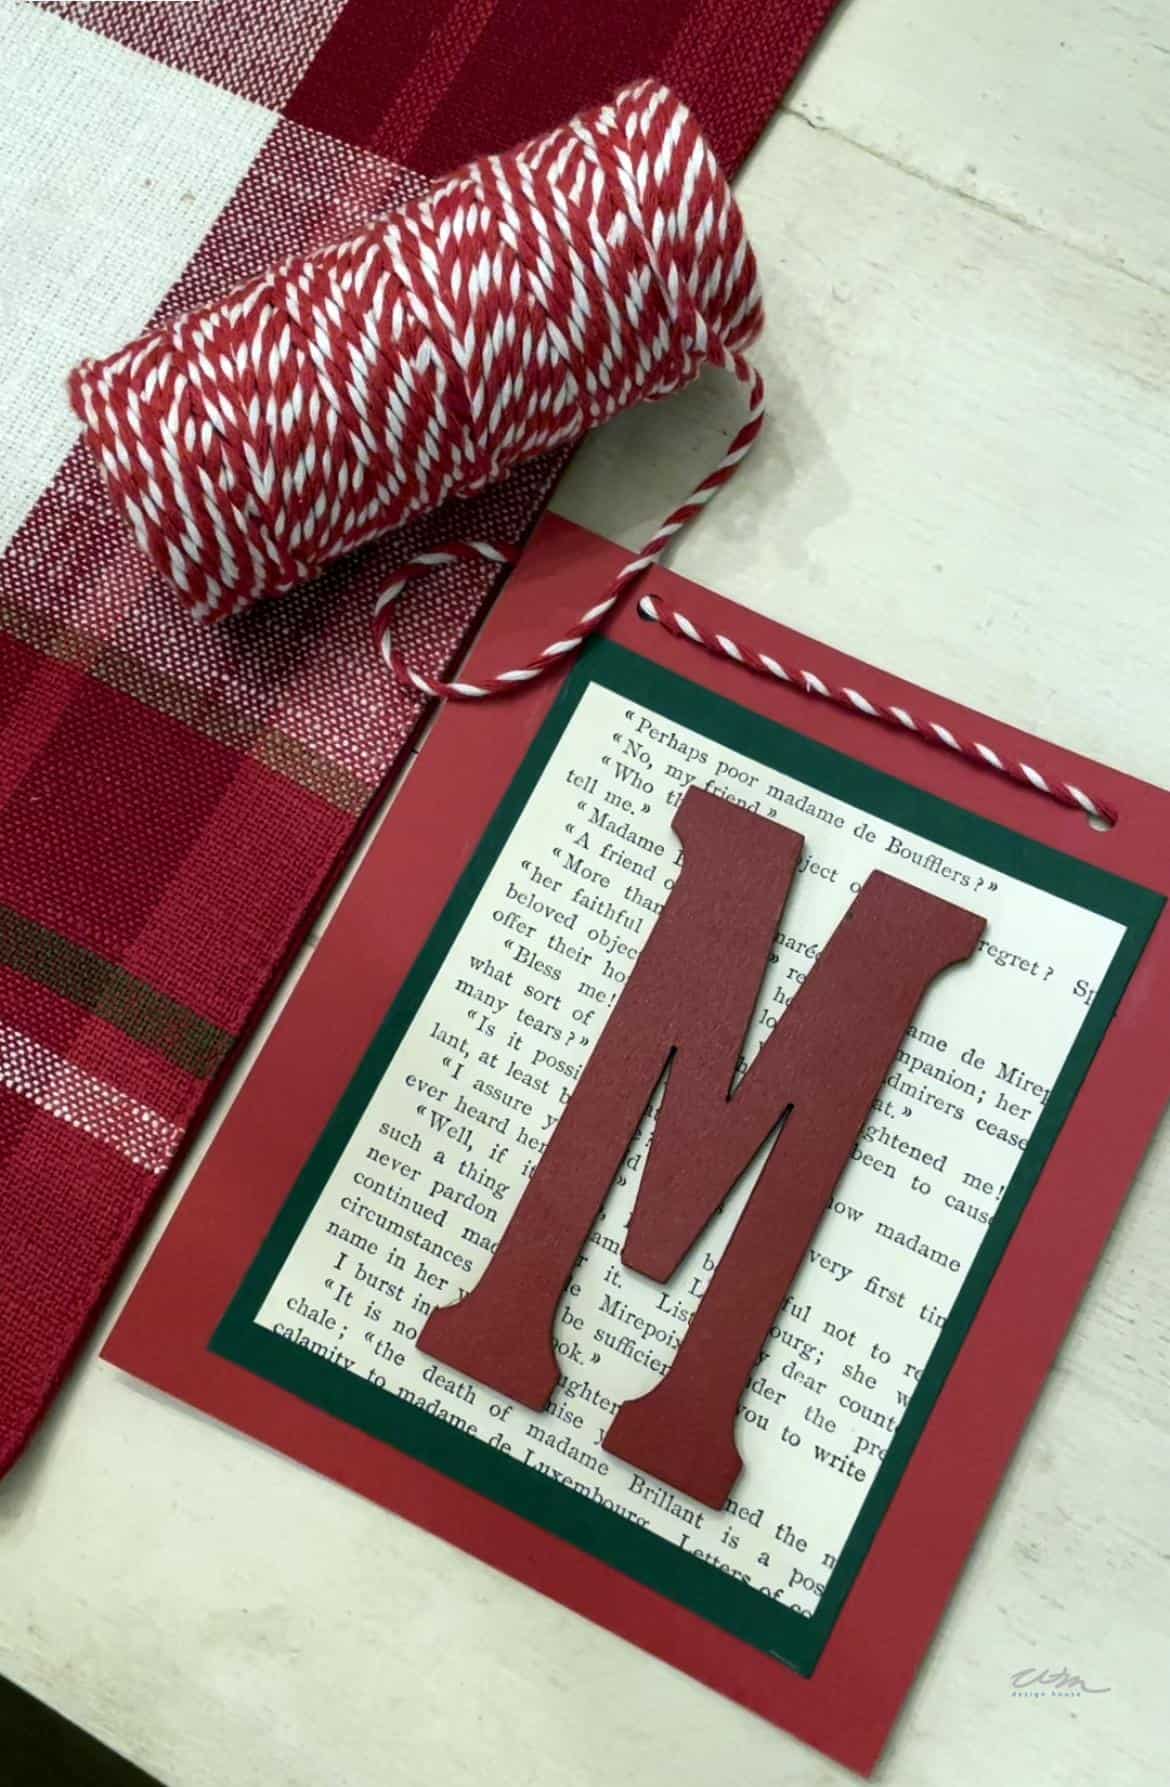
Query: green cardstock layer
[792,1637]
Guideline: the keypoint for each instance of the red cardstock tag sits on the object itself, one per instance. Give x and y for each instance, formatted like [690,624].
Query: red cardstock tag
[848,1074]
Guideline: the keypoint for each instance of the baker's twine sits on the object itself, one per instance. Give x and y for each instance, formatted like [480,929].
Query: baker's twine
[507,311]
[931,732]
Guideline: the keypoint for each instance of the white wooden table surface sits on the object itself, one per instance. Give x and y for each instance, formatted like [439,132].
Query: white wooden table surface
[963,220]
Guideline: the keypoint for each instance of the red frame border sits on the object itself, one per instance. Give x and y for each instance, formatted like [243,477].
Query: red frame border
[846,1708]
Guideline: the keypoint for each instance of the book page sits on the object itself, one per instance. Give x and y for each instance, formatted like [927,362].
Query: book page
[426,1182]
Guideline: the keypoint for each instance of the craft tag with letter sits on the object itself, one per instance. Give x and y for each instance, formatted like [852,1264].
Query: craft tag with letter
[688,1143]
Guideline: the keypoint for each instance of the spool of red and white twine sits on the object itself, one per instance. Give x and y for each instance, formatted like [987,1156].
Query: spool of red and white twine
[510,309]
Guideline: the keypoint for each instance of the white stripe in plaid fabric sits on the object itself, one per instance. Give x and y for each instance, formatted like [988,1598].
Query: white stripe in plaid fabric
[256,48]
[126,165]
[297,679]
[67,1092]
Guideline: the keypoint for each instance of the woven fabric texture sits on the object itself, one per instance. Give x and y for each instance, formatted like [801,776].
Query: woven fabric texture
[176,800]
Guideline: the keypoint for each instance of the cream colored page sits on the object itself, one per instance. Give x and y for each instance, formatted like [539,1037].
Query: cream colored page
[432,1171]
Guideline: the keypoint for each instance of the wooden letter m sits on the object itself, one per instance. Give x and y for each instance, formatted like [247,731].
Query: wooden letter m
[687,1003]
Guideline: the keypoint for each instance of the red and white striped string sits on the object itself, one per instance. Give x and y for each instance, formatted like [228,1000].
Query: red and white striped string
[931,732]
[513,307]
[594,616]
[507,311]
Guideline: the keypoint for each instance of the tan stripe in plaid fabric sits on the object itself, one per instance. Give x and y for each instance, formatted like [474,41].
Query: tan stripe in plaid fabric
[108,991]
[213,715]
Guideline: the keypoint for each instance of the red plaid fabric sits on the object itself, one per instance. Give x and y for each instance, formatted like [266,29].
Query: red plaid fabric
[175,800]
